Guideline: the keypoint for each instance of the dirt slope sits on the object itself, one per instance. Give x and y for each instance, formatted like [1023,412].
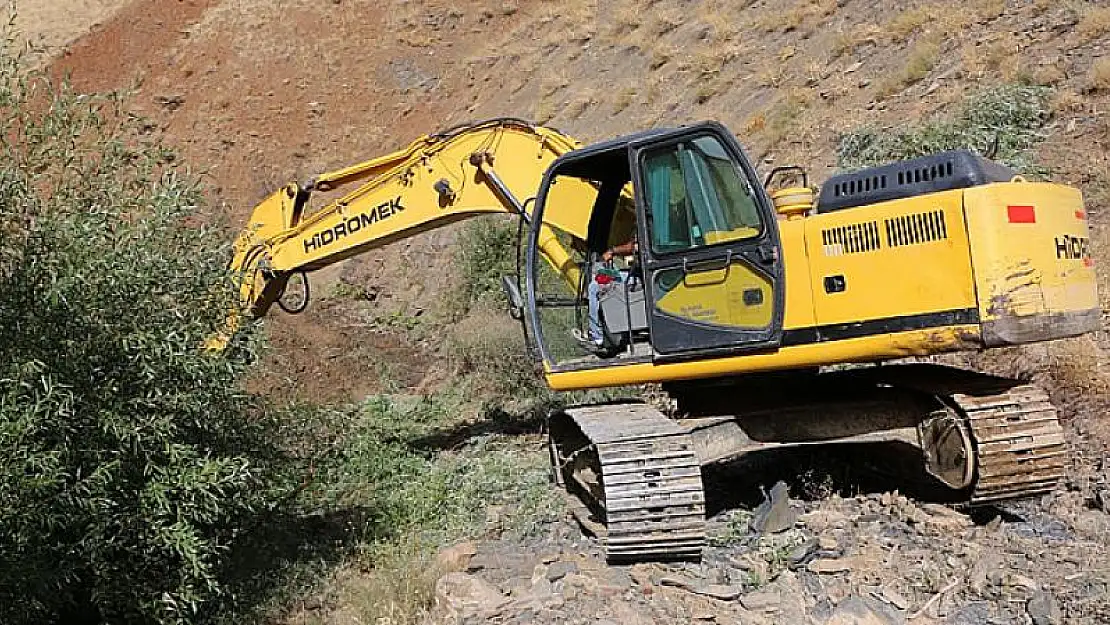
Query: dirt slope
[49,25]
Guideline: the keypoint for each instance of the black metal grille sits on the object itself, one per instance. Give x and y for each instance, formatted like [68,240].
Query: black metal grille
[851,238]
[916,228]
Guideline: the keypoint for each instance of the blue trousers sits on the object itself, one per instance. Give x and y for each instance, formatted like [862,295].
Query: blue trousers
[593,295]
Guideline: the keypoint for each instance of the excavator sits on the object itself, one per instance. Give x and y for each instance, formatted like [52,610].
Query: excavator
[774,316]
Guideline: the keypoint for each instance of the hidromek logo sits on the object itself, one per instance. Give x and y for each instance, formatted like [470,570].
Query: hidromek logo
[1073,247]
[381,212]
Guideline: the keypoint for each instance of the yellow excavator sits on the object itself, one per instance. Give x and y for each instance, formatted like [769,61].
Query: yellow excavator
[774,317]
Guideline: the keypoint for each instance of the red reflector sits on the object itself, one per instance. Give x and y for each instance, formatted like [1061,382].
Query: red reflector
[1021,214]
[1080,215]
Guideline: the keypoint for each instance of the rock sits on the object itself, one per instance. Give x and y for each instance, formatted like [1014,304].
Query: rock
[831,565]
[811,584]
[1017,580]
[716,591]
[1043,609]
[826,542]
[577,581]
[641,574]
[975,613]
[820,520]
[853,68]
[618,578]
[456,558]
[774,515]
[803,553]
[541,588]
[558,570]
[980,572]
[627,615]
[761,600]
[857,611]
[458,593]
[792,591]
[894,598]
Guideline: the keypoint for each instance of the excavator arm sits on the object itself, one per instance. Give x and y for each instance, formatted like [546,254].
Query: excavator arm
[439,179]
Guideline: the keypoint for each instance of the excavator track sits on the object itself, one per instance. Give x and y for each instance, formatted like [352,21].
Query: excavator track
[635,474]
[1019,444]
[638,474]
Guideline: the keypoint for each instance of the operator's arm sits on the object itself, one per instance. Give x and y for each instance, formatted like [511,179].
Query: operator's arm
[624,249]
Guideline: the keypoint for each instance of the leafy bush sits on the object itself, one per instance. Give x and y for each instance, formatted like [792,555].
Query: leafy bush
[1010,117]
[487,250]
[129,458]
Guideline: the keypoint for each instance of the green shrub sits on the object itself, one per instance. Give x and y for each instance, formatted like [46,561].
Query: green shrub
[1010,117]
[129,458]
[487,250]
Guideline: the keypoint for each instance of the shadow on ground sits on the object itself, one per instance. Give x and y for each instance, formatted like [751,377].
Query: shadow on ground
[283,556]
[820,471]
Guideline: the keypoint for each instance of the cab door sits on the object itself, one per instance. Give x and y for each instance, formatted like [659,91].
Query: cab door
[709,245]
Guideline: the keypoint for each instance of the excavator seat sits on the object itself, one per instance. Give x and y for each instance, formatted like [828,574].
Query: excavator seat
[624,307]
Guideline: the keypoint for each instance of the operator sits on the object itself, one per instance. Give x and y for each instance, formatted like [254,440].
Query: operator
[601,279]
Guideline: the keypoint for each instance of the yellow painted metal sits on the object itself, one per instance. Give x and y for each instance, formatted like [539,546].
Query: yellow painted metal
[1042,267]
[429,184]
[798,287]
[793,202]
[934,254]
[897,258]
[717,296]
[712,237]
[864,349]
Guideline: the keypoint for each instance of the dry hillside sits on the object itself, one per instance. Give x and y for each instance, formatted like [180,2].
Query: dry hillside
[258,92]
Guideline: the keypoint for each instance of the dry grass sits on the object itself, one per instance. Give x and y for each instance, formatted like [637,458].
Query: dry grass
[1099,78]
[773,77]
[578,106]
[921,60]
[907,23]
[626,17]
[1041,6]
[844,42]
[709,61]
[978,60]
[1046,75]
[781,119]
[986,10]
[400,591]
[803,16]
[722,27]
[664,21]
[1067,101]
[1094,23]
[756,123]
[623,99]
[661,54]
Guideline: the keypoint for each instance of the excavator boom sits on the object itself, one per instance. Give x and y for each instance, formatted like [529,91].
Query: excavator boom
[438,179]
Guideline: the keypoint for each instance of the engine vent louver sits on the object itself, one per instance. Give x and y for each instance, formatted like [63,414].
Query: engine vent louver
[851,239]
[916,228]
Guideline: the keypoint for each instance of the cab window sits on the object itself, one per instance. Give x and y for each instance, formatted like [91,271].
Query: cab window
[697,196]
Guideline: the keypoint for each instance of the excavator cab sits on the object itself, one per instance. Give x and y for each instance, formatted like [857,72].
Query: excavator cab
[707,278]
